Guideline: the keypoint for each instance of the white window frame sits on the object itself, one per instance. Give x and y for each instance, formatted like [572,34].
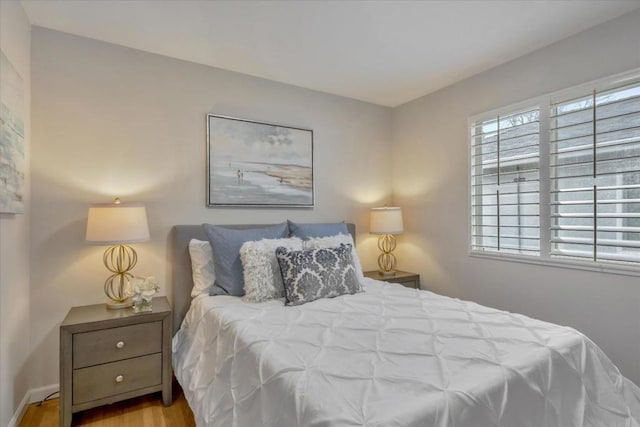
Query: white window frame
[473,122]
[544,102]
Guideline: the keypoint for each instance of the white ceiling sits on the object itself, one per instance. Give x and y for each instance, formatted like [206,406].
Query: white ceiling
[384,52]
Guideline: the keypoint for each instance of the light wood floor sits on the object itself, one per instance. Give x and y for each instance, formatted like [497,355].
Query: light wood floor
[140,411]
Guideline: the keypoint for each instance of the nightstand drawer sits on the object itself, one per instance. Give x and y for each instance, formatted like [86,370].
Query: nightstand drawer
[115,378]
[109,345]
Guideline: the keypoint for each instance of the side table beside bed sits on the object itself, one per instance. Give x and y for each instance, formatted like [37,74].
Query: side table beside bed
[111,355]
[410,280]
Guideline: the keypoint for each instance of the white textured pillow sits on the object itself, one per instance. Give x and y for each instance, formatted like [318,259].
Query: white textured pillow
[262,278]
[202,267]
[333,241]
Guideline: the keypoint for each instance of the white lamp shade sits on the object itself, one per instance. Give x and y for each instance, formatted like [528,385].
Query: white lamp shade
[113,224]
[387,220]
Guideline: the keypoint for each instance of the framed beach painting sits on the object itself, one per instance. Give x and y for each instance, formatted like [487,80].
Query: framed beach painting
[258,164]
[12,162]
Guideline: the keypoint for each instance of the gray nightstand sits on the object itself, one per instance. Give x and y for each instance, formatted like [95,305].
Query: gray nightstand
[410,280]
[111,355]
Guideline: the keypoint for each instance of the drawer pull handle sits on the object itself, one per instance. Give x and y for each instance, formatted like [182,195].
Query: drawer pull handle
[119,378]
[120,344]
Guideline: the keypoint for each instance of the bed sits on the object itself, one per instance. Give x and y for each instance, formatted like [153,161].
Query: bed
[389,356]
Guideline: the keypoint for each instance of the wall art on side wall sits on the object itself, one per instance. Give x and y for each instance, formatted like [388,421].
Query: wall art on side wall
[258,164]
[12,165]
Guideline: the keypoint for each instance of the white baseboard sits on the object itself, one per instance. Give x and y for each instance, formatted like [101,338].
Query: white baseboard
[37,394]
[31,396]
[22,408]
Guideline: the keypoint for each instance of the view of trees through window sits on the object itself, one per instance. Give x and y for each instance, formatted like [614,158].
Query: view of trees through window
[593,148]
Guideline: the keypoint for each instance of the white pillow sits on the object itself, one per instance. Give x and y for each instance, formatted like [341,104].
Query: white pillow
[262,278]
[333,241]
[202,267]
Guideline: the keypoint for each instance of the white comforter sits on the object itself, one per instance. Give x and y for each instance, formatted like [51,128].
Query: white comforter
[392,356]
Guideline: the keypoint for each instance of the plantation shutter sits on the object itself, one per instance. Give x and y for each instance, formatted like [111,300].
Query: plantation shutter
[505,183]
[595,175]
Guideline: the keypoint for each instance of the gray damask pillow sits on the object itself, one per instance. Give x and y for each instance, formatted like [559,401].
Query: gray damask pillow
[317,273]
[332,242]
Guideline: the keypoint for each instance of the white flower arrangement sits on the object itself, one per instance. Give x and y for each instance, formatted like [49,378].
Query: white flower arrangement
[141,290]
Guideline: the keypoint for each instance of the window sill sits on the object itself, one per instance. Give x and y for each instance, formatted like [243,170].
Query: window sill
[561,263]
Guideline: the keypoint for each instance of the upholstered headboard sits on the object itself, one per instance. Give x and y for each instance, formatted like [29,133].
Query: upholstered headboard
[181,276]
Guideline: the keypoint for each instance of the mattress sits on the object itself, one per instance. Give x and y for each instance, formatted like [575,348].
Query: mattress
[392,356]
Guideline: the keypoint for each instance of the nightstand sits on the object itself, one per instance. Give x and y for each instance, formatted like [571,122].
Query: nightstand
[111,355]
[410,280]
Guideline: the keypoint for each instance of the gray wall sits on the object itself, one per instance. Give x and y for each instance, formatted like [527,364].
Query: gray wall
[111,121]
[430,182]
[15,41]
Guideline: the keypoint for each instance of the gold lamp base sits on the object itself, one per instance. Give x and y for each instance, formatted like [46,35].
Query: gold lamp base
[390,273]
[112,305]
[386,260]
[119,260]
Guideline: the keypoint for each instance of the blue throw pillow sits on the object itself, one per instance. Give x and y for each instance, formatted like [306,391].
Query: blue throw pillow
[225,246]
[306,231]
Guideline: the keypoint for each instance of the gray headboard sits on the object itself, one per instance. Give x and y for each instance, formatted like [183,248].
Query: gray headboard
[181,275]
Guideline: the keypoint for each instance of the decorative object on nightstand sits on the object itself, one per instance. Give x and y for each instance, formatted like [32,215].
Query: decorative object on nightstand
[141,290]
[116,224]
[386,222]
[111,355]
[410,280]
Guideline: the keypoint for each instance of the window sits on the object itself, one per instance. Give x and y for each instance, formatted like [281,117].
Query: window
[505,183]
[595,176]
[559,181]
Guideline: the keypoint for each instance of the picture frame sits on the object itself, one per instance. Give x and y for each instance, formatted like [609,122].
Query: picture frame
[258,164]
[12,134]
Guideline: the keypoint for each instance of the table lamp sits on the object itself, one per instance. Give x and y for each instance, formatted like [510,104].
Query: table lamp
[386,222]
[116,224]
